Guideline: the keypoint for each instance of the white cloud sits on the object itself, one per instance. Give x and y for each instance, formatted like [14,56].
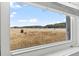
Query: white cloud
[58,21]
[14,5]
[28,22]
[34,20]
[22,20]
[25,5]
[18,6]
[11,4]
[12,14]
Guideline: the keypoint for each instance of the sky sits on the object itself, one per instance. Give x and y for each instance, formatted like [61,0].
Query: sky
[28,15]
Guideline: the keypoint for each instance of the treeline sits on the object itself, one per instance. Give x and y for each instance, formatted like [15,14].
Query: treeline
[57,25]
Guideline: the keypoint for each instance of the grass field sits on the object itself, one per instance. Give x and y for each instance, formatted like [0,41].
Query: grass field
[35,36]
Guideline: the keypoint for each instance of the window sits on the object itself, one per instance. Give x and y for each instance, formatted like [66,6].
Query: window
[32,26]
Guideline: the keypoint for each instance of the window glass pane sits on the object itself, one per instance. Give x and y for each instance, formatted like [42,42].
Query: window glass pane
[32,26]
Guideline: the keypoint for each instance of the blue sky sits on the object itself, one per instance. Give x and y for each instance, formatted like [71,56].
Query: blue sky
[28,15]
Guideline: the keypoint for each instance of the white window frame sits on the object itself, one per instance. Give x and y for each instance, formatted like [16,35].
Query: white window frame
[37,50]
[4,29]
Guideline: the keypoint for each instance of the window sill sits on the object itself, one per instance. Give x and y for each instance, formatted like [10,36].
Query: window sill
[66,52]
[40,47]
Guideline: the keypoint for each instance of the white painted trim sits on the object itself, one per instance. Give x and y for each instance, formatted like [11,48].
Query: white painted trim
[70,5]
[66,52]
[4,28]
[77,21]
[74,31]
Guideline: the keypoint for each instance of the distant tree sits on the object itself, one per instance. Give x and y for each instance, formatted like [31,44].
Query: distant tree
[49,26]
[15,27]
[57,25]
[60,25]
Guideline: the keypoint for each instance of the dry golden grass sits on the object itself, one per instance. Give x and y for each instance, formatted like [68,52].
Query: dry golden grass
[34,37]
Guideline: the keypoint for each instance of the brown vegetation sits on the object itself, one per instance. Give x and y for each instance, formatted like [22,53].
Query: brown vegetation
[34,37]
